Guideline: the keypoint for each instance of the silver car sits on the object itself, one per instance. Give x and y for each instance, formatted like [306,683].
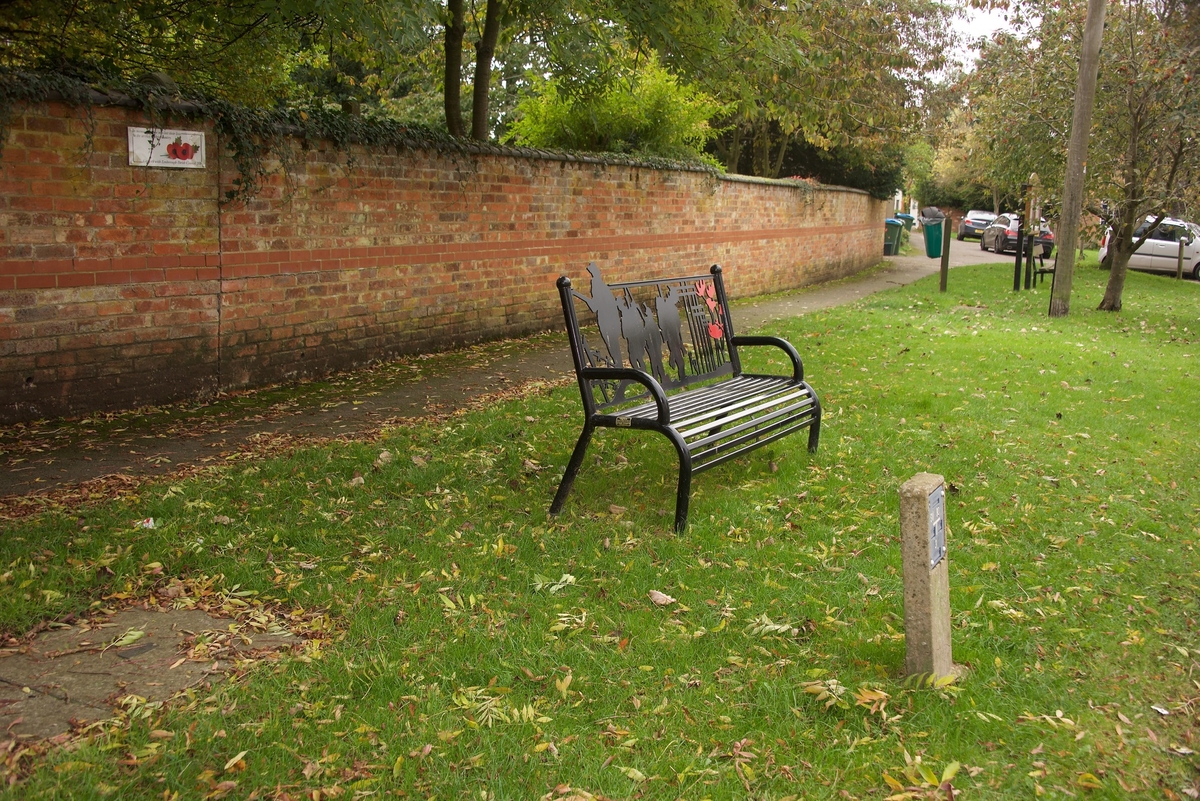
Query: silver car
[974,223]
[1160,252]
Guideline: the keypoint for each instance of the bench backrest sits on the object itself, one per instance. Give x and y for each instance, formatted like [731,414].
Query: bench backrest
[675,329]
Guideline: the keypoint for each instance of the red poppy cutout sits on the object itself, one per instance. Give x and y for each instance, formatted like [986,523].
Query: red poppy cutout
[715,330]
[181,150]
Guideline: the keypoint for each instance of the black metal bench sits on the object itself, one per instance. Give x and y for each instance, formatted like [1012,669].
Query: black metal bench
[664,357]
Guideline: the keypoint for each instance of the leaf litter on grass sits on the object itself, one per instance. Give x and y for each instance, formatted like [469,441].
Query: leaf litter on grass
[1069,597]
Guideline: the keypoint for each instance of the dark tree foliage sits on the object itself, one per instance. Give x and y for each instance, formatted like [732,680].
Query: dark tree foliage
[244,50]
[879,174]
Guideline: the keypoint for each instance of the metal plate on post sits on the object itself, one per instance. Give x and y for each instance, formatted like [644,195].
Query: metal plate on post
[937,526]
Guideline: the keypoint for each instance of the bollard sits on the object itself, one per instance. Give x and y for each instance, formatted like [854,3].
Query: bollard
[926,577]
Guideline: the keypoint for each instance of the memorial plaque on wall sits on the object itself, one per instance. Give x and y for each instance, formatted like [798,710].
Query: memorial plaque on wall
[167,147]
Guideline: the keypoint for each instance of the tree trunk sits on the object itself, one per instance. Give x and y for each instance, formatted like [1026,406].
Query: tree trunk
[452,82]
[762,147]
[1081,126]
[1107,262]
[1116,284]
[777,165]
[734,154]
[485,50]
[1120,248]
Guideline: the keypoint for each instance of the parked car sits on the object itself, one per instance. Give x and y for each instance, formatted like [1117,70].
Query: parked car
[974,223]
[1160,251]
[1001,236]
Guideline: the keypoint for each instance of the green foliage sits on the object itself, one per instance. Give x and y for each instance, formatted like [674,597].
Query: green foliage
[835,76]
[1142,152]
[956,174]
[638,108]
[779,82]
[252,52]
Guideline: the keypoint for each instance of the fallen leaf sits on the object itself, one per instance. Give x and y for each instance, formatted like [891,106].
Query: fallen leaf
[633,773]
[661,598]
[232,762]
[128,638]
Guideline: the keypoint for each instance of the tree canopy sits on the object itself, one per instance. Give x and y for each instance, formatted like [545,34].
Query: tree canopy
[820,87]
[1015,118]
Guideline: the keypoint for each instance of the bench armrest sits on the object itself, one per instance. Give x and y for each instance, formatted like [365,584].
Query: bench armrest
[779,342]
[628,374]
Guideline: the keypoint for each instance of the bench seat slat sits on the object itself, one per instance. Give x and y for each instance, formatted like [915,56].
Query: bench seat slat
[692,406]
[714,458]
[768,406]
[785,413]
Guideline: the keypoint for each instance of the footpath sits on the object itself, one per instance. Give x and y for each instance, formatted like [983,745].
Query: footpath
[61,463]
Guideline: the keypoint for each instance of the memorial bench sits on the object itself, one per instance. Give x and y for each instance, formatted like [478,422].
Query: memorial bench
[662,356]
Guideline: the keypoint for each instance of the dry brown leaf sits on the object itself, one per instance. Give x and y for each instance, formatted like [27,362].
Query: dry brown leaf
[661,598]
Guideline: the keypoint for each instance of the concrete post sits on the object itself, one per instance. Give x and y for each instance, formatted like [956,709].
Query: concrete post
[923,533]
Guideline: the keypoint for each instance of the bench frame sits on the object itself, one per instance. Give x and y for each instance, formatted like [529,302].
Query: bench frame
[698,397]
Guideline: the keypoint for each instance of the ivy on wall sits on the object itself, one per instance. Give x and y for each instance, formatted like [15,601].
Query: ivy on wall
[253,137]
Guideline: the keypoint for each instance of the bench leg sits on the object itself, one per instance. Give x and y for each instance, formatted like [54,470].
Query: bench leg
[683,493]
[814,430]
[564,486]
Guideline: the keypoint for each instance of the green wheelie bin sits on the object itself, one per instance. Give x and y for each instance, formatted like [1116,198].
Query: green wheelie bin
[891,236]
[932,220]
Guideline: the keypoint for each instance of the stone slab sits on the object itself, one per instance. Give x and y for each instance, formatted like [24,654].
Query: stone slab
[67,677]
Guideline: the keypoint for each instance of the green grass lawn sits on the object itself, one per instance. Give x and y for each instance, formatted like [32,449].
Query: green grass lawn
[465,645]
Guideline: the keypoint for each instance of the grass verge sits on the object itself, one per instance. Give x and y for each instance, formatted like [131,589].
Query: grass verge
[481,649]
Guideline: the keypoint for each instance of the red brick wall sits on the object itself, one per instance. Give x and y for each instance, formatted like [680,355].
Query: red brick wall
[122,286]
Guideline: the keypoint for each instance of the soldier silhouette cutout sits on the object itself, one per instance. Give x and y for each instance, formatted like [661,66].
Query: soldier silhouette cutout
[634,329]
[667,307]
[608,314]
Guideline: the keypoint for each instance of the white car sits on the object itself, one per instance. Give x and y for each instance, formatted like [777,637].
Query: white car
[1160,251]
